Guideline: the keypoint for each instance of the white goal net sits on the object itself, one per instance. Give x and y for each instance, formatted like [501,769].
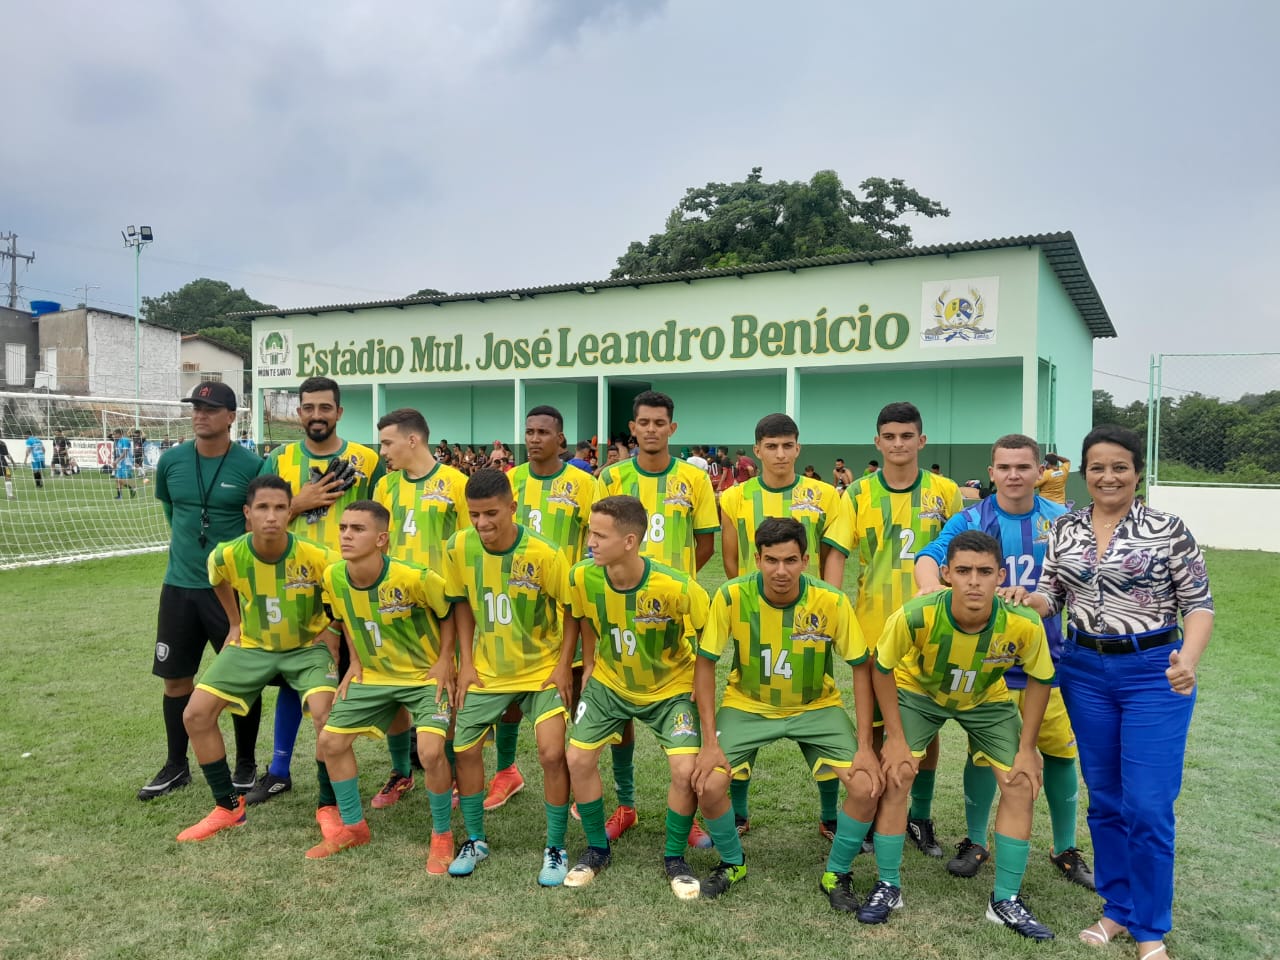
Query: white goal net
[82,505]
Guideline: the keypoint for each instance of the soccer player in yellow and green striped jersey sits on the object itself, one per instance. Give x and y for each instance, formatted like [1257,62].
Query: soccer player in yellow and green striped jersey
[269,584]
[948,652]
[641,620]
[682,525]
[777,491]
[509,587]
[424,500]
[553,498]
[890,516]
[424,496]
[396,620]
[787,630]
[318,498]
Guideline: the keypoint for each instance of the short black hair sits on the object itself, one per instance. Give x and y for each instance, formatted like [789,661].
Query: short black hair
[267,481]
[406,420]
[627,512]
[873,463]
[486,483]
[652,398]
[778,530]
[1016,441]
[320,385]
[584,445]
[381,515]
[546,410]
[1121,437]
[975,541]
[776,425]
[901,412]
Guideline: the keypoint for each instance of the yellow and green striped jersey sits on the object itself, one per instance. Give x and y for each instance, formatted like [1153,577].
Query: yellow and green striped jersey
[558,506]
[425,513]
[281,607]
[814,504]
[646,636]
[680,504]
[517,598]
[887,528]
[394,623]
[783,657]
[930,655]
[292,462]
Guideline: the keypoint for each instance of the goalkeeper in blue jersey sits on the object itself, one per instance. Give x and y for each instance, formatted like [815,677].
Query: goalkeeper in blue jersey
[1020,521]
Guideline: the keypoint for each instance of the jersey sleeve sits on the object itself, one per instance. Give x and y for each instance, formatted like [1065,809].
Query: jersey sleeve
[851,646]
[715,635]
[838,532]
[435,593]
[217,564]
[577,604]
[460,510]
[557,579]
[706,519]
[454,587]
[1035,656]
[269,463]
[381,492]
[894,643]
[699,605]
[955,502]
[937,548]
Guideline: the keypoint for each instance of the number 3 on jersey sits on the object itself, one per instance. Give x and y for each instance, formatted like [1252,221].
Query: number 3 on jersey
[535,520]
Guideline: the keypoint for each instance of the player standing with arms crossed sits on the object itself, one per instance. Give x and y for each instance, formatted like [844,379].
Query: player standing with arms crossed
[553,498]
[1020,520]
[892,514]
[683,520]
[640,621]
[268,582]
[815,505]
[396,620]
[426,503]
[202,487]
[325,474]
[509,587]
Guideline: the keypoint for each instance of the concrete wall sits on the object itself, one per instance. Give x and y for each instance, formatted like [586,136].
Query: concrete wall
[1230,518]
[16,326]
[65,332]
[210,358]
[110,342]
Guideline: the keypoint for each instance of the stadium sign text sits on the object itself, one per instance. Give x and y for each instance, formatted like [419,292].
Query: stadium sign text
[743,338]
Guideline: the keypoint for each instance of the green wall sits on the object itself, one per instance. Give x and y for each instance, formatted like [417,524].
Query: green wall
[358,422]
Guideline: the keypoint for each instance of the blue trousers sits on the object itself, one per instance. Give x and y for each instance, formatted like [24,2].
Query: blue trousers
[1131,730]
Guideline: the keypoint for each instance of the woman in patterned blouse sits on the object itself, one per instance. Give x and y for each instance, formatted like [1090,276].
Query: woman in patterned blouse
[1125,572]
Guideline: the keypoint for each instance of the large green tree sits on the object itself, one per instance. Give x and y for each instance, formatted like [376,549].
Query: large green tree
[202,305]
[754,221]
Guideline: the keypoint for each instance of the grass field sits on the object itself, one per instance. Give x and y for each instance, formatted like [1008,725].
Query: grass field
[93,873]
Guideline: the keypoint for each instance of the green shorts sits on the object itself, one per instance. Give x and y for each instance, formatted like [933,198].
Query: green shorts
[825,737]
[602,713]
[480,712]
[370,707]
[238,674]
[994,729]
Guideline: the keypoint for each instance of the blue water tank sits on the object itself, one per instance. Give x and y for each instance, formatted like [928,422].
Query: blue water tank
[44,306]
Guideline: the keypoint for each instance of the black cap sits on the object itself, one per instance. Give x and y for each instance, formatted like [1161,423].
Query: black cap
[215,394]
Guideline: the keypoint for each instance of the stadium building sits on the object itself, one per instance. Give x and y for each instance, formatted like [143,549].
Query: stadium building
[986,338]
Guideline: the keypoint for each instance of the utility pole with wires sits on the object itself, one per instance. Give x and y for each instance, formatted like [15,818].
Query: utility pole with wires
[84,289]
[14,256]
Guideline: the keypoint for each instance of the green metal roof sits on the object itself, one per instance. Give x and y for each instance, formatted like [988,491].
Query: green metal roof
[1060,250]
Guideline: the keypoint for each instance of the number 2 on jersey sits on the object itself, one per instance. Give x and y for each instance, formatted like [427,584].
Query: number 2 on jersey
[1020,571]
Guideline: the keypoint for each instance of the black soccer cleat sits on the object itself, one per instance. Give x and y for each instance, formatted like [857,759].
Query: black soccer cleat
[1072,865]
[268,787]
[172,776]
[969,859]
[839,890]
[1013,913]
[921,833]
[679,874]
[883,899]
[722,878]
[245,776]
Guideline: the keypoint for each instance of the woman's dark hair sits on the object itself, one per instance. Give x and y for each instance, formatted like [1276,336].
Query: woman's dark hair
[1121,437]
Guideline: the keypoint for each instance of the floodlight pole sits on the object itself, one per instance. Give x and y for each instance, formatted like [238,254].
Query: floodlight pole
[137,240]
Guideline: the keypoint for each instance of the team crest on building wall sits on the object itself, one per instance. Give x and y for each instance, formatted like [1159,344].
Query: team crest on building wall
[958,312]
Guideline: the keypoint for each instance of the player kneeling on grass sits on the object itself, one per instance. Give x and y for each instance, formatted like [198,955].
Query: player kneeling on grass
[509,587]
[787,630]
[948,652]
[269,583]
[396,622]
[640,621]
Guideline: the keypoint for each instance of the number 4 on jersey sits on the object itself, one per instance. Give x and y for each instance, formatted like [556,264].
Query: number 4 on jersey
[775,668]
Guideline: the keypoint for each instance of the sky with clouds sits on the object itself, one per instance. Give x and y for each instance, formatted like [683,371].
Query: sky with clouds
[336,151]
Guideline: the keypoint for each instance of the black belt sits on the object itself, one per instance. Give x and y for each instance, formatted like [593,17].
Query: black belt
[1125,642]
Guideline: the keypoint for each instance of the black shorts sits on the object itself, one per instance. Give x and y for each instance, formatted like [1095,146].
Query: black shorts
[188,619]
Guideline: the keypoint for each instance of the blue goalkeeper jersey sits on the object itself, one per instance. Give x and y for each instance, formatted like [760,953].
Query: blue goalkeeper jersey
[1024,537]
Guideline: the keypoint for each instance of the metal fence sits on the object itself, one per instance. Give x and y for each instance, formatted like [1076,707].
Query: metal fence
[1213,420]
